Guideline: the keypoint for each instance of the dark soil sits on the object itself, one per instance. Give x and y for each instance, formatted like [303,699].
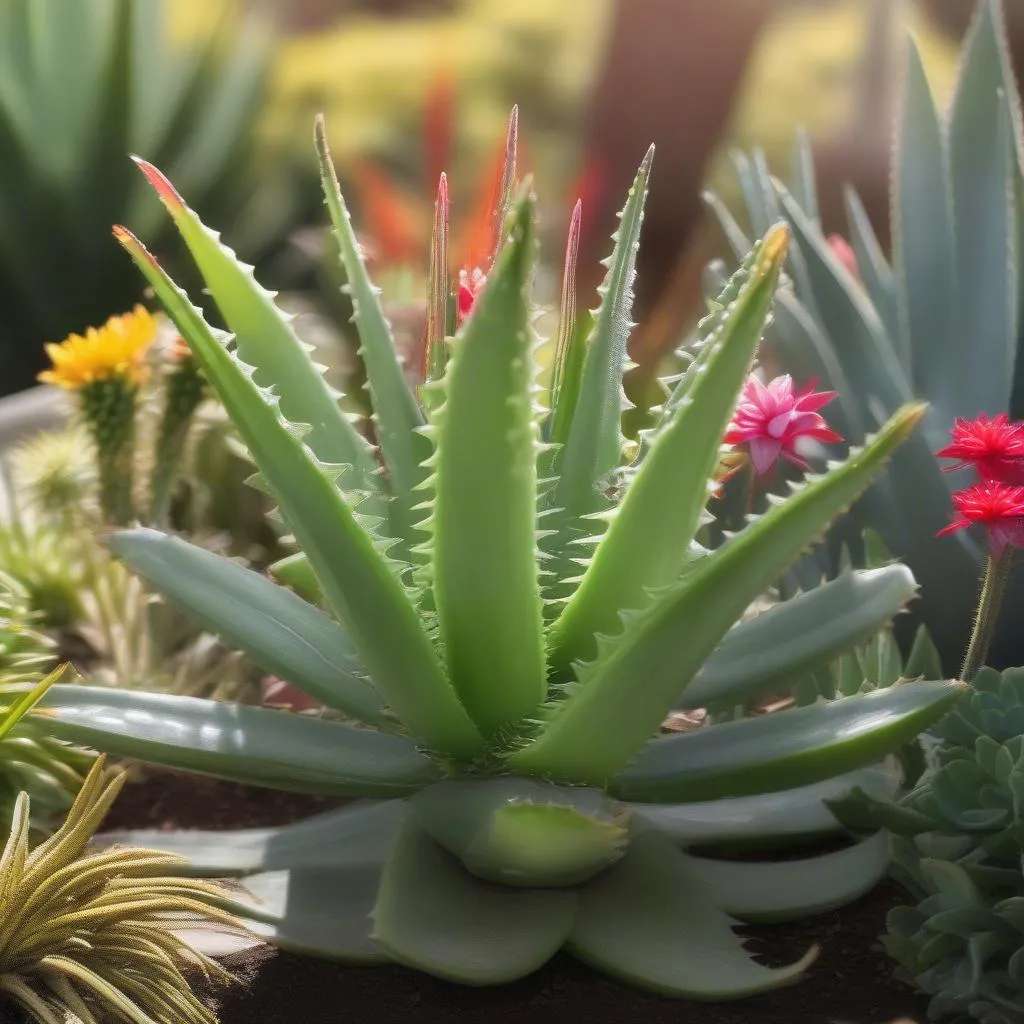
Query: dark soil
[852,981]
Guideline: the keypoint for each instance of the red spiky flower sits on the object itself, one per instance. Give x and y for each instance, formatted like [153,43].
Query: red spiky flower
[771,418]
[994,447]
[998,507]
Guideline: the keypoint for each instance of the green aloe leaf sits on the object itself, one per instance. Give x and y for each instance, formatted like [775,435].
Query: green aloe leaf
[434,915]
[804,187]
[646,543]
[924,242]
[650,922]
[321,912]
[522,832]
[765,891]
[791,748]
[846,312]
[983,171]
[295,571]
[875,273]
[281,633]
[232,741]
[486,584]
[438,291]
[266,340]
[781,815]
[395,410]
[801,634]
[361,586]
[570,342]
[593,447]
[358,835]
[625,694]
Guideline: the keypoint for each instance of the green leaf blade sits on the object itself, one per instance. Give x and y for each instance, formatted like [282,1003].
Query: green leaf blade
[625,695]
[266,341]
[924,240]
[396,413]
[593,447]
[486,583]
[800,634]
[282,633]
[646,543]
[797,747]
[650,922]
[491,935]
[246,744]
[379,617]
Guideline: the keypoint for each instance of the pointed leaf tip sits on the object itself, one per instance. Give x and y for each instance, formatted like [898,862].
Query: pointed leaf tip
[168,194]
[776,244]
[131,244]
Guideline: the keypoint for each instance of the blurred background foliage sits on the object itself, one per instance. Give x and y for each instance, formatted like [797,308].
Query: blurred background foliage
[406,85]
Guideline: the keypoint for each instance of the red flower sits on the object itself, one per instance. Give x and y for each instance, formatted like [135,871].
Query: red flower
[994,447]
[471,283]
[843,252]
[771,418]
[996,506]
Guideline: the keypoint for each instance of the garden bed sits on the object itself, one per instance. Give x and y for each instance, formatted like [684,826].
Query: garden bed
[851,983]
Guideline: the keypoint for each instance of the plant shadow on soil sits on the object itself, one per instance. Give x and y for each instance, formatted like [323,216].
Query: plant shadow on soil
[852,982]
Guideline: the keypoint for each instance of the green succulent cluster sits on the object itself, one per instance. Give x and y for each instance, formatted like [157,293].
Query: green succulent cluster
[940,320]
[957,847]
[510,599]
[82,84]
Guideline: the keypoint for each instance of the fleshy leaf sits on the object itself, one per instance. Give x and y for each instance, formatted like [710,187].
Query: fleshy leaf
[650,922]
[626,693]
[569,343]
[593,447]
[282,633]
[646,544]
[379,617]
[522,832]
[232,741]
[790,748]
[486,585]
[761,891]
[395,412]
[434,915]
[266,341]
[800,634]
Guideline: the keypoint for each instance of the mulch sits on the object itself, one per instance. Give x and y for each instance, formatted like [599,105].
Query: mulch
[852,981]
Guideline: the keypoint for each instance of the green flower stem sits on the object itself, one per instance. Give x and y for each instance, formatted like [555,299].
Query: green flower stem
[185,391]
[993,588]
[109,410]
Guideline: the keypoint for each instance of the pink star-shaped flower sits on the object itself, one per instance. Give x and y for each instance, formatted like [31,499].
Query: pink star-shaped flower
[771,418]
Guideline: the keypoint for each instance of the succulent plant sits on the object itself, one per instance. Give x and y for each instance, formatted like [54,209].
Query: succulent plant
[93,937]
[958,849]
[511,620]
[940,322]
[31,761]
[83,84]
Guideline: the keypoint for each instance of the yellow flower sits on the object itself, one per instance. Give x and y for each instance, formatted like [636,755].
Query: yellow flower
[117,349]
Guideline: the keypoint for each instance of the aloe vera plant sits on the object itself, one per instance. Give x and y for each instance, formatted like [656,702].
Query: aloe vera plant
[511,602]
[80,84]
[941,320]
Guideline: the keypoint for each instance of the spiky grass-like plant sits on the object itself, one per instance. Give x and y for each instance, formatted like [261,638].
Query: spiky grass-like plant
[512,602]
[90,938]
